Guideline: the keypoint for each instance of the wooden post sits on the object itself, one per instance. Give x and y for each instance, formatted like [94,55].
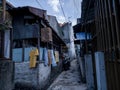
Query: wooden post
[4,9]
[23,50]
[11,42]
[39,36]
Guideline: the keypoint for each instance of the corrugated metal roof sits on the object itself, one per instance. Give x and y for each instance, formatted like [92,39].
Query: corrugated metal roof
[49,21]
[37,12]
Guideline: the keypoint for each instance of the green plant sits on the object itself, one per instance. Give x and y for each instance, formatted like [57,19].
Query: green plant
[1,9]
[6,24]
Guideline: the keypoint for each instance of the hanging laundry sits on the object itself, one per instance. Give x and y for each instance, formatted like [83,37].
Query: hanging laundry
[36,52]
[53,59]
[45,57]
[49,58]
[27,53]
[57,56]
[41,53]
[33,57]
[17,54]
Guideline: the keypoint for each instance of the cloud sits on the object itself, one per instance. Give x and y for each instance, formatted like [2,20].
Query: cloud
[60,19]
[73,22]
[54,4]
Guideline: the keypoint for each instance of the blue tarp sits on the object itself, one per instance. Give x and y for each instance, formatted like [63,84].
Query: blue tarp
[27,52]
[41,53]
[45,58]
[17,55]
[53,59]
[82,36]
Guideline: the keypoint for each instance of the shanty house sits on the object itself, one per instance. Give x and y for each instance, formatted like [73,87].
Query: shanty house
[36,47]
[6,64]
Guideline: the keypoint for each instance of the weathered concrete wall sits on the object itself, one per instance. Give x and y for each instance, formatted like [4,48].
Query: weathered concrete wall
[72,46]
[69,39]
[89,72]
[100,71]
[36,77]
[81,62]
[23,74]
[6,75]
[44,74]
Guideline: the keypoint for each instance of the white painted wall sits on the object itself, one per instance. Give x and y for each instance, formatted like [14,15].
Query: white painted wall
[69,36]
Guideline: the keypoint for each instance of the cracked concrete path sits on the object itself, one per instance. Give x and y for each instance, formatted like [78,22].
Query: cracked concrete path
[68,80]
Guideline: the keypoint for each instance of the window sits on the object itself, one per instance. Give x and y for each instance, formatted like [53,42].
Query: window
[5,44]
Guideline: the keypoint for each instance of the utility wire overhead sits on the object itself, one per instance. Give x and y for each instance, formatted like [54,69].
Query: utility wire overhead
[39,4]
[79,7]
[76,6]
[62,10]
[75,10]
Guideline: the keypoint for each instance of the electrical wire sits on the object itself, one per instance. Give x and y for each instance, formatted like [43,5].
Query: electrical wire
[74,10]
[62,10]
[39,4]
[76,6]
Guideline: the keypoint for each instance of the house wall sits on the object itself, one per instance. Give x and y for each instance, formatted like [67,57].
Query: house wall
[65,29]
[69,39]
[37,77]
[6,75]
[44,75]
[21,30]
[53,23]
[25,75]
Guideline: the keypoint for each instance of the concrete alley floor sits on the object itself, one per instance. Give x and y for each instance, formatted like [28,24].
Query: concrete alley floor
[68,80]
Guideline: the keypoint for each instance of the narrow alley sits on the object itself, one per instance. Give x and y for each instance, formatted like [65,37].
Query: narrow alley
[59,45]
[69,80]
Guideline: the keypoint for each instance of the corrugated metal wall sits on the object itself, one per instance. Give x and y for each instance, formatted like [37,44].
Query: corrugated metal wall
[108,38]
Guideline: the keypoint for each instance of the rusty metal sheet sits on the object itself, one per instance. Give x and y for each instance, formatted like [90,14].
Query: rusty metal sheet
[46,34]
[38,12]
[50,34]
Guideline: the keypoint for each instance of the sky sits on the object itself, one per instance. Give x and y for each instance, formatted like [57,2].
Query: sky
[71,8]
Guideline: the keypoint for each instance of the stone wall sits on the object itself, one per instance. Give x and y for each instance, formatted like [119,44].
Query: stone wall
[6,75]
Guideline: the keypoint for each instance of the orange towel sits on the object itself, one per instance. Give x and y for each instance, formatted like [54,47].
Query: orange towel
[49,58]
[57,56]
